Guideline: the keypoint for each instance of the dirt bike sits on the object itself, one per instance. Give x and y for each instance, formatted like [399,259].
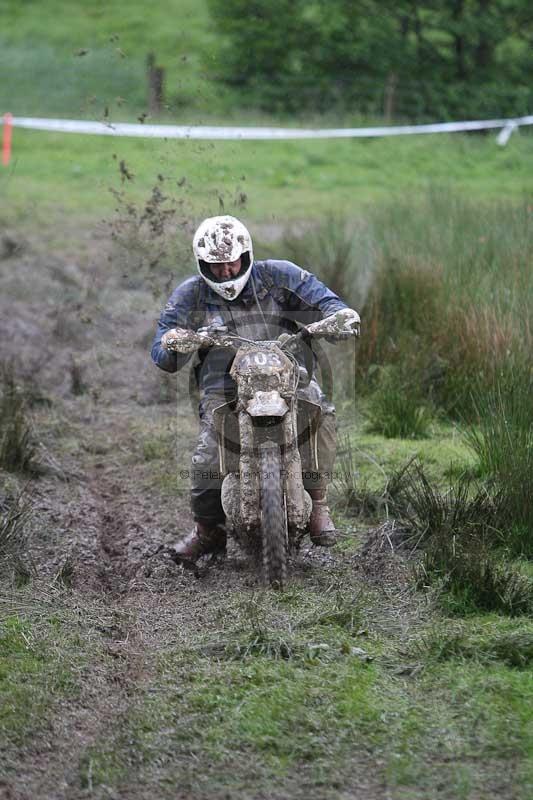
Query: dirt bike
[267,435]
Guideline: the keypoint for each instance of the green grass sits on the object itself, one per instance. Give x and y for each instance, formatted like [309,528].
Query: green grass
[376,457]
[432,721]
[488,639]
[54,176]
[34,675]
[44,75]
[58,176]
[396,407]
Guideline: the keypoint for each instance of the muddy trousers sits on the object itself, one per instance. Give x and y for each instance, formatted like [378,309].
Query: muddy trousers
[206,480]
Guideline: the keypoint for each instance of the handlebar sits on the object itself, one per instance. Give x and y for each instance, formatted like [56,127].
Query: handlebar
[221,335]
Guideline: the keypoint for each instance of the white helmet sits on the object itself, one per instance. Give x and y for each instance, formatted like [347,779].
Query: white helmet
[219,240]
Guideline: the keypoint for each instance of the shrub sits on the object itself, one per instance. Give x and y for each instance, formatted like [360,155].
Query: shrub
[313,52]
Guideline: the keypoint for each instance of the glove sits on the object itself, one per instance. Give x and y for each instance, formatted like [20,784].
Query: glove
[341,325]
[183,340]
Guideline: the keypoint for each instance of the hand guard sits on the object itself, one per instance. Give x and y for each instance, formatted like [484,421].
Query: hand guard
[182,340]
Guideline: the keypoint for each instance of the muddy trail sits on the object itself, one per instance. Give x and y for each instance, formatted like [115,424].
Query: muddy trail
[130,677]
[98,546]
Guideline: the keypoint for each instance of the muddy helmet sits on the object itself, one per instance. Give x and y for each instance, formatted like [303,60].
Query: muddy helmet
[219,240]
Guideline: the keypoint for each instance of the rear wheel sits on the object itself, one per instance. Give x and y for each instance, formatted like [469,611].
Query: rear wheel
[273,517]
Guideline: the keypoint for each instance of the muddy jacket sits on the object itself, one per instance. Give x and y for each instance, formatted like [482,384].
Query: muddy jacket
[286,294]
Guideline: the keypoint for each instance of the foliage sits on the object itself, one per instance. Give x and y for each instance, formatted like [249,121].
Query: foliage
[406,59]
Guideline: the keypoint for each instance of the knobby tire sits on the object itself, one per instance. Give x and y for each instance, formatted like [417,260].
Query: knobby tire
[273,517]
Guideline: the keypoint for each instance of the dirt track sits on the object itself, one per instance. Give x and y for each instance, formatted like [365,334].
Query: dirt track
[108,424]
[139,605]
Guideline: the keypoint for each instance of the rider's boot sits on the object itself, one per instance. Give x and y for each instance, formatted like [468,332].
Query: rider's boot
[321,528]
[205,537]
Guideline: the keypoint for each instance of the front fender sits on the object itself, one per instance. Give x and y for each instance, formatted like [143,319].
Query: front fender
[267,404]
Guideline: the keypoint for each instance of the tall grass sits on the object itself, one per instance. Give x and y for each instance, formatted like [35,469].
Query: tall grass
[483,251]
[452,291]
[457,532]
[14,518]
[17,449]
[444,286]
[338,250]
[502,438]
[397,409]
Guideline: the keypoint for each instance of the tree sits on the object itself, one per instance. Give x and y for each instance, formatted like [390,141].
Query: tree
[439,57]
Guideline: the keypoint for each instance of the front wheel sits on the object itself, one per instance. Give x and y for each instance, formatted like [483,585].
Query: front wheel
[273,517]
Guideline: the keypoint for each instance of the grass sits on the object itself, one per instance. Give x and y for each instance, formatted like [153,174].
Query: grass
[503,442]
[76,61]
[17,448]
[459,535]
[268,720]
[397,408]
[276,693]
[329,684]
[485,640]
[35,674]
[376,458]
[450,313]
[58,174]
[15,513]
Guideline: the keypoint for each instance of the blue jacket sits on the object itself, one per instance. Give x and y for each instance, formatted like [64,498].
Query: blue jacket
[286,295]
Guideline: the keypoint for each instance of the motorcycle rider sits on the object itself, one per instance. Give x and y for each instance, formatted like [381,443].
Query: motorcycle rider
[256,300]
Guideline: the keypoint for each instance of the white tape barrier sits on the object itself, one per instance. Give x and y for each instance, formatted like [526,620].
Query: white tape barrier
[230,133]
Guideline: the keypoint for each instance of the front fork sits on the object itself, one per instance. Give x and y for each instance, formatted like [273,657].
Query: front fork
[250,498]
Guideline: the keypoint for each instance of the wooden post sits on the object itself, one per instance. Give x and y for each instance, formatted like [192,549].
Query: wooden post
[155,76]
[390,92]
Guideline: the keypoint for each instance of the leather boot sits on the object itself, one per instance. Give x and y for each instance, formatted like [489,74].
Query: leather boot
[321,528]
[205,537]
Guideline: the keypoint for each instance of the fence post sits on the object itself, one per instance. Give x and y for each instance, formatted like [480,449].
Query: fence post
[390,96]
[155,76]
